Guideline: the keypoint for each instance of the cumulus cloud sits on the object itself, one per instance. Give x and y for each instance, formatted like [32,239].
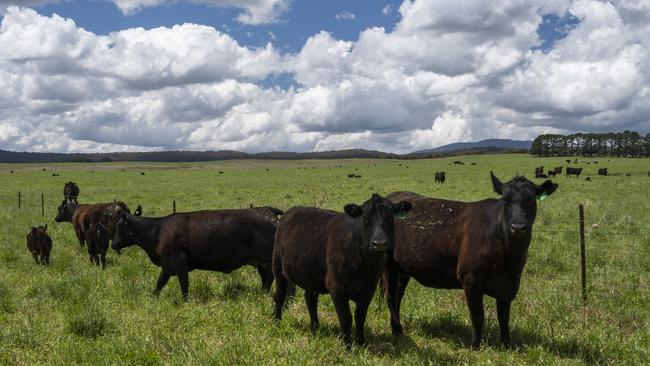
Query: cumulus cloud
[345,15]
[448,72]
[254,11]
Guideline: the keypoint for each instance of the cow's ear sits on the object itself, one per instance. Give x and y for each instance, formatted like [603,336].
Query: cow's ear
[545,189]
[401,208]
[353,210]
[45,228]
[33,230]
[138,211]
[496,184]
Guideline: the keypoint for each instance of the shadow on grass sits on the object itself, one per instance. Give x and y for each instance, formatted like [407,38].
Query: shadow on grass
[460,334]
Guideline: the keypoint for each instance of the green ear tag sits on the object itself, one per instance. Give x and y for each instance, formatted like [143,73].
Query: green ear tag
[401,214]
[542,196]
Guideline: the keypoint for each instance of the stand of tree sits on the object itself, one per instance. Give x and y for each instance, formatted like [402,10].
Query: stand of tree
[620,144]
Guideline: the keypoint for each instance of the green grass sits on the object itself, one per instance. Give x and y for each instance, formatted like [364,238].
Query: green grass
[74,313]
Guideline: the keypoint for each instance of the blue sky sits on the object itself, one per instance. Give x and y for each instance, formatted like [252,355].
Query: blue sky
[298,75]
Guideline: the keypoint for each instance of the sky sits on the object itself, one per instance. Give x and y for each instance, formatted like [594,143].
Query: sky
[303,75]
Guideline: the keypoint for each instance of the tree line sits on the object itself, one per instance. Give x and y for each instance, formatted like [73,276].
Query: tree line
[619,144]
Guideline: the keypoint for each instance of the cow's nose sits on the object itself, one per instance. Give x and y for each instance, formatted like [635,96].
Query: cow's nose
[379,245]
[518,228]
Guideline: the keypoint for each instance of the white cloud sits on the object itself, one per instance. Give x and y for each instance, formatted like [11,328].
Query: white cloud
[387,9]
[254,11]
[448,72]
[345,15]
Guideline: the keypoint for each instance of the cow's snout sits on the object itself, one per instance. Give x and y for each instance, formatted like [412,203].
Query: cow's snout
[518,229]
[379,245]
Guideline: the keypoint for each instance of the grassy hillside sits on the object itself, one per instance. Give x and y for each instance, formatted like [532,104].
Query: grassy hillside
[73,313]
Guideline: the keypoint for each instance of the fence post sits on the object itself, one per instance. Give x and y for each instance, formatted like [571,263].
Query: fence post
[583,256]
[42,205]
[18,200]
[174,206]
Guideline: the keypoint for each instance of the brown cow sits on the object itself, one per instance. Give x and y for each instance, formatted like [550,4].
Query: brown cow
[341,254]
[39,244]
[480,247]
[218,240]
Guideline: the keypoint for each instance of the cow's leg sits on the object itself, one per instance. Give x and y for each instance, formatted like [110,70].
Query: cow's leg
[360,313]
[181,268]
[394,282]
[281,284]
[163,277]
[342,305]
[474,297]
[102,257]
[311,298]
[503,314]
[35,255]
[266,274]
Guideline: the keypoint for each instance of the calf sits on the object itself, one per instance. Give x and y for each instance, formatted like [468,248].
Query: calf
[551,173]
[541,175]
[602,171]
[219,240]
[440,177]
[39,244]
[337,253]
[539,170]
[480,247]
[573,171]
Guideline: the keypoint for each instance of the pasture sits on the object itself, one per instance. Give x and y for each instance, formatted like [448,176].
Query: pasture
[75,313]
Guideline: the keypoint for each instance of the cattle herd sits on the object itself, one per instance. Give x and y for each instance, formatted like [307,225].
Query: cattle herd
[479,247]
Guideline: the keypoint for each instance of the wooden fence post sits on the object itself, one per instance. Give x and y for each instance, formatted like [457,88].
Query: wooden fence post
[18,200]
[42,205]
[583,255]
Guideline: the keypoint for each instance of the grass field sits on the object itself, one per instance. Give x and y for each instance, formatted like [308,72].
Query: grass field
[73,313]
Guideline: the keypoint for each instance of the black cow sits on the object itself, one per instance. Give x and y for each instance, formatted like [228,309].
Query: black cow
[39,244]
[541,175]
[539,170]
[71,192]
[558,170]
[337,253]
[551,173]
[440,177]
[218,240]
[573,171]
[480,247]
[458,162]
[568,161]
[602,171]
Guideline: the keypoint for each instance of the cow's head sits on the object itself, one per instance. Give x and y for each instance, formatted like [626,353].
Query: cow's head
[124,235]
[519,198]
[65,211]
[377,216]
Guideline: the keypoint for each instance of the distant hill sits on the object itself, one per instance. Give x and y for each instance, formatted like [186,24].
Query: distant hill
[490,144]
[185,156]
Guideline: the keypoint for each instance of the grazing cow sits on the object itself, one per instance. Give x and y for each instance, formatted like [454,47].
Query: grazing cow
[588,179]
[350,175]
[440,177]
[71,192]
[219,240]
[558,170]
[541,175]
[39,244]
[480,247]
[458,162]
[142,173]
[81,216]
[568,161]
[602,171]
[473,164]
[573,171]
[551,173]
[539,170]
[220,172]
[341,254]
[55,174]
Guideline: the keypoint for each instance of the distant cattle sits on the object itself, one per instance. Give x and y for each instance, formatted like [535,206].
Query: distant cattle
[357,176]
[350,175]
[648,173]
[71,192]
[539,169]
[217,240]
[44,169]
[12,172]
[541,175]
[39,244]
[568,161]
[55,174]
[440,177]
[558,170]
[573,171]
[458,162]
[473,164]
[480,247]
[588,179]
[602,171]
[142,173]
[551,173]
[628,174]
[222,172]
[341,254]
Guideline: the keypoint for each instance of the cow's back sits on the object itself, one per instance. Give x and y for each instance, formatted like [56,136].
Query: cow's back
[301,244]
[428,239]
